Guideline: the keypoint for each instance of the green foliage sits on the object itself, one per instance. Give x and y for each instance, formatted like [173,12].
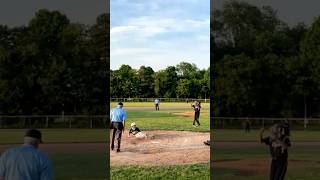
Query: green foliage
[184,81]
[53,66]
[263,67]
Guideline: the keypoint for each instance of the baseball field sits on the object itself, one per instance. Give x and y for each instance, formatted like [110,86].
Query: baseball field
[175,149]
[239,155]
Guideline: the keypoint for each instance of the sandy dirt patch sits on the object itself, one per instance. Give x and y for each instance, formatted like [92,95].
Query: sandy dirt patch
[165,148]
[261,165]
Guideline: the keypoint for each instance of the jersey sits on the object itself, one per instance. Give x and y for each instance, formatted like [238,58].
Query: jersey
[157,101]
[118,115]
[25,163]
[278,148]
[134,131]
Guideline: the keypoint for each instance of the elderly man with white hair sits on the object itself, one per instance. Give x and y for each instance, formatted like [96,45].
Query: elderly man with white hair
[26,162]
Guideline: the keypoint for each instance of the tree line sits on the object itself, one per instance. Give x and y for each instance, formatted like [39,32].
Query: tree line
[52,65]
[262,66]
[184,80]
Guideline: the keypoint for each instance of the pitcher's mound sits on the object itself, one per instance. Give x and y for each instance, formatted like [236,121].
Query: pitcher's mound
[165,147]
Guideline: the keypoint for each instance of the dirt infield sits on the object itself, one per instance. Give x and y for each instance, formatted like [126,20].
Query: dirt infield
[255,166]
[165,148]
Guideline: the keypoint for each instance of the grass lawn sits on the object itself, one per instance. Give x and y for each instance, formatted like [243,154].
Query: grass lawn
[166,120]
[240,135]
[79,166]
[13,136]
[176,172]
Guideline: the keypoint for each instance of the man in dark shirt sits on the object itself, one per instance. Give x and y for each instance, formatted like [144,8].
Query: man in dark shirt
[278,143]
[196,107]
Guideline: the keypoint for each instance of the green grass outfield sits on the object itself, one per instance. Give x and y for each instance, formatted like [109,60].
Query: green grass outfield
[166,120]
[15,136]
[79,166]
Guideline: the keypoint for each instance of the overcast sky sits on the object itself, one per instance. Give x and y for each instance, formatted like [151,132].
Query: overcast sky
[19,12]
[289,11]
[159,33]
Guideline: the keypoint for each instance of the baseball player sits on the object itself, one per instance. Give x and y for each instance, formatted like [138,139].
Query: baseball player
[247,126]
[26,161]
[134,130]
[117,116]
[278,143]
[196,107]
[207,142]
[157,104]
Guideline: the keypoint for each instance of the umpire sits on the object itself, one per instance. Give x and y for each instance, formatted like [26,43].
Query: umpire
[117,116]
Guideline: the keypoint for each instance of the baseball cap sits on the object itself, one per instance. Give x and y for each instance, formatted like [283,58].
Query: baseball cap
[133,124]
[120,103]
[34,133]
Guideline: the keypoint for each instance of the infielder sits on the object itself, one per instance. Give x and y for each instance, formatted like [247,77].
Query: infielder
[26,161]
[196,107]
[117,116]
[278,144]
[157,104]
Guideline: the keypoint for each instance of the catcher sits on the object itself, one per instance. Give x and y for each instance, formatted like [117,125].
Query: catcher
[134,130]
[278,143]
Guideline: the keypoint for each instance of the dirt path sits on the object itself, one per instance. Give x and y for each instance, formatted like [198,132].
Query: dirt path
[256,166]
[165,148]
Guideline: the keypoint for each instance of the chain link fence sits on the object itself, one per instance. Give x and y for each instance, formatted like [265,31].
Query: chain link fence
[161,100]
[257,123]
[54,121]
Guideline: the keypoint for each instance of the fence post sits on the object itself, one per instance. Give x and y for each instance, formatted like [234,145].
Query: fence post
[70,123]
[24,122]
[47,122]
[91,122]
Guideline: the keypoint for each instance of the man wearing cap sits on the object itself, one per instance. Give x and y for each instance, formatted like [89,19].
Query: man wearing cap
[117,116]
[26,162]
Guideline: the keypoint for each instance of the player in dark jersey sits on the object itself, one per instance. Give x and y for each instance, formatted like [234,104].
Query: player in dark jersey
[196,107]
[134,130]
[278,143]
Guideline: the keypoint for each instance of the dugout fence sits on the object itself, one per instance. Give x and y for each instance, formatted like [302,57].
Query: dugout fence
[260,122]
[53,121]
